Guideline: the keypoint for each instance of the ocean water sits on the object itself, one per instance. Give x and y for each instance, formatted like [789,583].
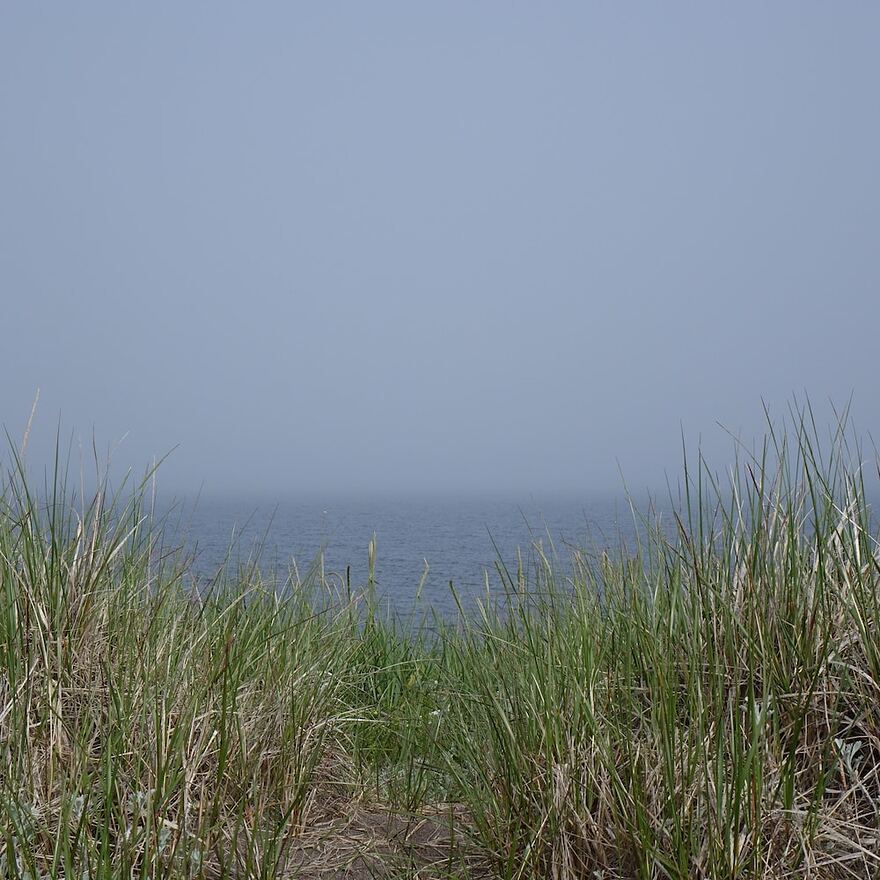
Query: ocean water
[456,540]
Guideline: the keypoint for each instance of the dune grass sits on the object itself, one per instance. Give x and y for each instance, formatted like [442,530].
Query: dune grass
[706,705]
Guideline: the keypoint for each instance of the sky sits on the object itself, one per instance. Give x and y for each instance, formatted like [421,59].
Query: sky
[433,247]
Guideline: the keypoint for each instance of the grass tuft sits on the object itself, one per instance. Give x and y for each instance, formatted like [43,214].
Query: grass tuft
[707,705]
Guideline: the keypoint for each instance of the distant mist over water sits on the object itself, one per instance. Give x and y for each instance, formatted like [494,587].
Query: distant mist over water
[456,540]
[423,543]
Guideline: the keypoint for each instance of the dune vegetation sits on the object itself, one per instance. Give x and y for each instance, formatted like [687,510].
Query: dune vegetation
[705,705]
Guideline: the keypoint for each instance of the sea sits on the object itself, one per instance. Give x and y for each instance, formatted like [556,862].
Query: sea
[427,549]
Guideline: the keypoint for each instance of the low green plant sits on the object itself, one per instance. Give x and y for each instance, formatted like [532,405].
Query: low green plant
[704,704]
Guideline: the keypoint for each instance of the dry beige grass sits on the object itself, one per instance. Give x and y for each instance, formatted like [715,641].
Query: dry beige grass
[707,709]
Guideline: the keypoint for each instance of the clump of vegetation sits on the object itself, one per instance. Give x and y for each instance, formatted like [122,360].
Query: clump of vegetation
[707,705]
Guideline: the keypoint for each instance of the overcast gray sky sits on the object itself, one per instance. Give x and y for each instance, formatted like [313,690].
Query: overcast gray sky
[388,246]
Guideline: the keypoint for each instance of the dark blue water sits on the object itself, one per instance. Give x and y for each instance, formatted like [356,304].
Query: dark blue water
[456,540]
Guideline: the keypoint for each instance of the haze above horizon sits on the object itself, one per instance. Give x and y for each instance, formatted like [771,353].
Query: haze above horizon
[465,247]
